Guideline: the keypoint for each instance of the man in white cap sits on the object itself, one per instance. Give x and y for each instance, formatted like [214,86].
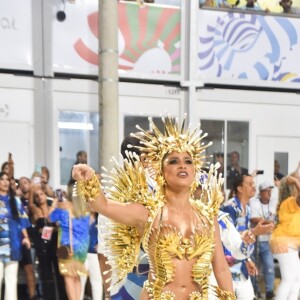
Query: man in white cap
[263,207]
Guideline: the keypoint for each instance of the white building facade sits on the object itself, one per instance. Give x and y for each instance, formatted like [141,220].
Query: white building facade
[237,73]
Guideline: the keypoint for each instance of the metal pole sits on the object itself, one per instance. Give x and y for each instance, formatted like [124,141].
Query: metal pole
[108,82]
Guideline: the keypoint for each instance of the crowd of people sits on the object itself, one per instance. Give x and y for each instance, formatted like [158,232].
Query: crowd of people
[261,211]
[161,2]
[36,221]
[162,227]
[250,5]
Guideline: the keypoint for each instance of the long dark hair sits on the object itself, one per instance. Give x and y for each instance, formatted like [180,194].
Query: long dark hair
[12,200]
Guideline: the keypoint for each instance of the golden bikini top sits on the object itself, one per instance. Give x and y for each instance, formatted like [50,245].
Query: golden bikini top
[168,243]
[122,243]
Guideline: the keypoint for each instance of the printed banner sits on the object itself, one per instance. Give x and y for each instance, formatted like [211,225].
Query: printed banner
[237,46]
[149,41]
[15,34]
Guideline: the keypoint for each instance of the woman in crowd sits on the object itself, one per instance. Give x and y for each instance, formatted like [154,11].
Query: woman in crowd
[45,243]
[41,177]
[81,158]
[73,221]
[285,239]
[180,235]
[8,168]
[45,176]
[27,262]
[13,233]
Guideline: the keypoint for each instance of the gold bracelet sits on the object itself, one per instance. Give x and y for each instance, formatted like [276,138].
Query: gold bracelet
[225,295]
[89,189]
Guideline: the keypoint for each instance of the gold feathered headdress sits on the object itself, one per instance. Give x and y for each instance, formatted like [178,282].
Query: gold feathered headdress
[155,145]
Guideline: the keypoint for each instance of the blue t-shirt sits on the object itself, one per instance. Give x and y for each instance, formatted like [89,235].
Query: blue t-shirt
[241,221]
[80,232]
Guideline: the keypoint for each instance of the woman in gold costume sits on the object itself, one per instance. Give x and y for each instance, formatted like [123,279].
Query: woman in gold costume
[179,234]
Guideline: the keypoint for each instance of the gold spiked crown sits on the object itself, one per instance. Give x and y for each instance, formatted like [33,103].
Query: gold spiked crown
[155,144]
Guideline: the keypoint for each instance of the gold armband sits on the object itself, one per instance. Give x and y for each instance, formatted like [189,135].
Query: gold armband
[88,189]
[225,295]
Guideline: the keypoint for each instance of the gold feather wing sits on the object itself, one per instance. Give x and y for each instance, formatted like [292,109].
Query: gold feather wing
[212,192]
[126,184]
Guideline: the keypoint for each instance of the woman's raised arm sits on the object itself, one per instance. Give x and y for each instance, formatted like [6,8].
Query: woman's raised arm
[133,214]
[31,205]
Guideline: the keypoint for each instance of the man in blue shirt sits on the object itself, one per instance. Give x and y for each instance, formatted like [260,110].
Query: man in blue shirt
[239,212]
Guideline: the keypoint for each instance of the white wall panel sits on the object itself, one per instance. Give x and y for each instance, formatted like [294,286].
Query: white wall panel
[16,34]
[270,114]
[16,122]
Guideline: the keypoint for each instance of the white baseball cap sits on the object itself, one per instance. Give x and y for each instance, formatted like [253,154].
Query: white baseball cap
[266,185]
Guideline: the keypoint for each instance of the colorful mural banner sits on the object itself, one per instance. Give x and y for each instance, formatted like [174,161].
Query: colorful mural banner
[237,46]
[148,37]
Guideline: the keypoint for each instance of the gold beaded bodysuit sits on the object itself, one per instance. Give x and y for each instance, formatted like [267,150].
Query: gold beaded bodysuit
[169,244]
[161,242]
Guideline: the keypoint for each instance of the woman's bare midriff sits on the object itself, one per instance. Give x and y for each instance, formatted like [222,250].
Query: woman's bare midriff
[182,284]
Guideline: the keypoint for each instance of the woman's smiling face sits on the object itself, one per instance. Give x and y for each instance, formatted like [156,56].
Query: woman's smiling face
[178,170]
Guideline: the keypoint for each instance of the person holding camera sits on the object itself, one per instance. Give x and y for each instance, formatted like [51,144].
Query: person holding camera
[234,169]
[45,242]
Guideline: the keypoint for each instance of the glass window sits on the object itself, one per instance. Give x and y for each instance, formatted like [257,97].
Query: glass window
[237,150]
[281,162]
[130,123]
[78,131]
[216,131]
[230,146]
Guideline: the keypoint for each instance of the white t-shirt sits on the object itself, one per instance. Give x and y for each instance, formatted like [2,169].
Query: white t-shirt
[265,211]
